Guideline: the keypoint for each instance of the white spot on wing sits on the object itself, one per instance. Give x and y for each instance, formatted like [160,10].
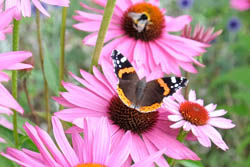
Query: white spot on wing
[123,59]
[173,79]
[176,85]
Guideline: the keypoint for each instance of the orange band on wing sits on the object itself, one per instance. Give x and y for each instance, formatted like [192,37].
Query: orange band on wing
[122,96]
[164,86]
[125,70]
[153,107]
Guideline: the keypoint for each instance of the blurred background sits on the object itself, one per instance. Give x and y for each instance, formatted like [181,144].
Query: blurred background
[224,81]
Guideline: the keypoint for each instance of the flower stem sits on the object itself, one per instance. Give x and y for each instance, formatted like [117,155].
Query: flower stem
[15,47]
[29,102]
[46,89]
[181,137]
[62,44]
[187,75]
[108,11]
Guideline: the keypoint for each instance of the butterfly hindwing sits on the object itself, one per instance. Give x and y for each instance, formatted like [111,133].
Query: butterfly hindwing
[157,89]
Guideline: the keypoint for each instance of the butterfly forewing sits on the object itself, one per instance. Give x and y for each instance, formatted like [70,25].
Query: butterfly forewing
[127,76]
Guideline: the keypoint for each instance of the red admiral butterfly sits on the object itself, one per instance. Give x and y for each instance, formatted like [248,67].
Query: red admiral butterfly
[139,94]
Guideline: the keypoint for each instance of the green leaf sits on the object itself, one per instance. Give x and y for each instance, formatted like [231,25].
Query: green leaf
[51,72]
[237,76]
[5,162]
[20,122]
[189,163]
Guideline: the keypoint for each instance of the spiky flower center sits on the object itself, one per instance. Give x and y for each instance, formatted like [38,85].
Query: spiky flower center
[90,165]
[130,119]
[143,21]
[194,113]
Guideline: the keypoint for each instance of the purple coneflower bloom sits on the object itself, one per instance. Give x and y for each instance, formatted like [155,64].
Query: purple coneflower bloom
[193,116]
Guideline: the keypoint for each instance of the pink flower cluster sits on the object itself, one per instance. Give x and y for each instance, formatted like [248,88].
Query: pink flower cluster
[105,131]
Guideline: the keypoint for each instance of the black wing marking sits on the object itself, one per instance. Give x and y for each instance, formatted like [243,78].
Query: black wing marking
[122,67]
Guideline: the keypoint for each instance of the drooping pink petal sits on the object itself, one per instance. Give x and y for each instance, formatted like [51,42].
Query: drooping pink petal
[101,78]
[40,8]
[217,113]
[32,133]
[192,96]
[240,4]
[4,77]
[2,140]
[26,8]
[178,23]
[210,107]
[6,100]
[20,162]
[19,66]
[101,142]
[149,161]
[24,157]
[11,58]
[111,34]
[121,153]
[178,124]
[214,135]
[138,154]
[202,138]
[63,142]
[64,3]
[174,150]
[221,123]
[175,118]
[52,148]
[73,113]
[160,161]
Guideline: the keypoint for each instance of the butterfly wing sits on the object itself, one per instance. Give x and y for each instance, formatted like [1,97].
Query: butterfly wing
[127,76]
[157,89]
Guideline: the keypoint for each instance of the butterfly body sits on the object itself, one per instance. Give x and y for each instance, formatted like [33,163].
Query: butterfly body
[139,94]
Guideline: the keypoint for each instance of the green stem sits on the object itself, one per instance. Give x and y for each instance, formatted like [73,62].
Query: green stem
[108,11]
[15,47]
[46,89]
[62,44]
[29,101]
[181,137]
[187,75]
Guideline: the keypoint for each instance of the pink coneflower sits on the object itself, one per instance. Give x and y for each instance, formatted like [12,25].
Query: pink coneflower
[240,4]
[140,29]
[6,18]
[24,6]
[200,33]
[11,61]
[150,131]
[192,115]
[93,150]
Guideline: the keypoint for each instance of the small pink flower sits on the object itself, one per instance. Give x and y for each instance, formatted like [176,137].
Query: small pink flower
[240,4]
[140,29]
[24,6]
[93,150]
[2,140]
[10,61]
[150,131]
[192,115]
[6,18]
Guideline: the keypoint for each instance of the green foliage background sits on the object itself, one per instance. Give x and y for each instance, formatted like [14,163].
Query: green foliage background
[225,80]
